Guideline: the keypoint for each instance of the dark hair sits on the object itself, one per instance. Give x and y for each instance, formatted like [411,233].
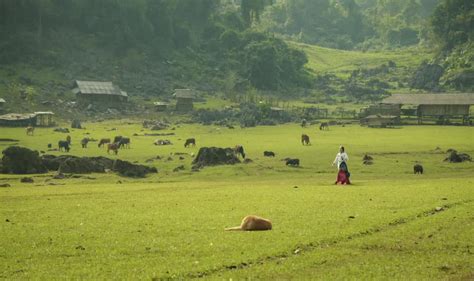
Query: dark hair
[342,147]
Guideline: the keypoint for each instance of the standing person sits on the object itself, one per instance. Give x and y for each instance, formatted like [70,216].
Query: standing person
[343,172]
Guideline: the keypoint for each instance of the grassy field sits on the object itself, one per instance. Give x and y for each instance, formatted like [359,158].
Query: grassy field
[340,62]
[170,225]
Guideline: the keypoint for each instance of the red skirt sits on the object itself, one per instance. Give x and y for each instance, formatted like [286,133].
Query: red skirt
[342,178]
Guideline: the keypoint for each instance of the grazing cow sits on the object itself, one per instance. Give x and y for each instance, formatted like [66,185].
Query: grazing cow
[189,142]
[84,142]
[303,123]
[324,126]
[30,130]
[305,140]
[251,223]
[103,142]
[68,139]
[418,169]
[117,139]
[114,147]
[63,144]
[238,149]
[124,142]
[50,145]
[269,154]
[293,162]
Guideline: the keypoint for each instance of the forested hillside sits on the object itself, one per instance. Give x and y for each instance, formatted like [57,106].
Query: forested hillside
[231,47]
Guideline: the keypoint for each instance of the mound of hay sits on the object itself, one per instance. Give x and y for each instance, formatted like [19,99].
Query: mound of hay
[21,160]
[127,169]
[455,157]
[213,156]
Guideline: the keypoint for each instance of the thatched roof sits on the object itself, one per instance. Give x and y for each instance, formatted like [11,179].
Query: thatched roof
[98,88]
[183,94]
[381,117]
[430,99]
[44,113]
[17,116]
[162,103]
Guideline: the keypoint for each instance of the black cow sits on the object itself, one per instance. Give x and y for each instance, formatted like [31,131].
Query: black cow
[418,169]
[293,162]
[189,142]
[238,149]
[117,139]
[269,154]
[324,126]
[124,142]
[84,142]
[65,145]
[305,139]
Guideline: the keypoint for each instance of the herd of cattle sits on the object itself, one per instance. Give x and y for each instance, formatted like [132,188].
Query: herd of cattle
[124,142]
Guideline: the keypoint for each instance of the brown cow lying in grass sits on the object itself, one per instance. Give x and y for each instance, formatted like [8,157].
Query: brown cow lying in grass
[251,223]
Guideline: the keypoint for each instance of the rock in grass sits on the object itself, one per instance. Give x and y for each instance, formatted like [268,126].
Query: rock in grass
[179,168]
[21,160]
[5,185]
[212,156]
[127,169]
[27,180]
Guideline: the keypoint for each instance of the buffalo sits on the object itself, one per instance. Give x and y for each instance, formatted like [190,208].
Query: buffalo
[269,154]
[238,149]
[114,147]
[293,162]
[305,139]
[418,169]
[324,126]
[124,142]
[84,142]
[102,142]
[63,145]
[189,142]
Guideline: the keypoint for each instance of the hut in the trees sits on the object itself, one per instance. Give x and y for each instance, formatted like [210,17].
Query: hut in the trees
[380,121]
[44,119]
[99,93]
[441,106]
[18,120]
[161,106]
[184,99]
[38,119]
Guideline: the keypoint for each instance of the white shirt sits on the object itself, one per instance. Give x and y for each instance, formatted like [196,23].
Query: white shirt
[340,157]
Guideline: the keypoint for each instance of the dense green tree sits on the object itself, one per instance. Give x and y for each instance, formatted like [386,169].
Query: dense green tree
[453,22]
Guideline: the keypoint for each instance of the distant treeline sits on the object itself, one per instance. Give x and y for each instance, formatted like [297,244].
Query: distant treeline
[236,41]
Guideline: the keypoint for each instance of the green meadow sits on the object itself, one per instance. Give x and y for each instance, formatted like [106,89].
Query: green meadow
[342,63]
[390,224]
